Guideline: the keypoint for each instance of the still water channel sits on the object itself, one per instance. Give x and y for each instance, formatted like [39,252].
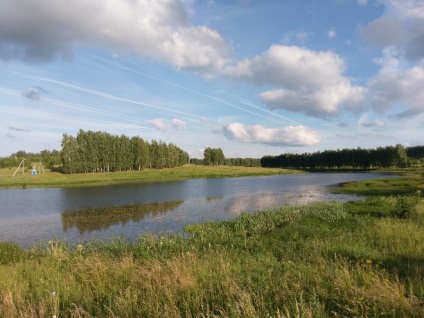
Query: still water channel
[28,216]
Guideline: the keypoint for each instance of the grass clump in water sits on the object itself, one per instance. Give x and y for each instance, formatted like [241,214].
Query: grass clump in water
[321,260]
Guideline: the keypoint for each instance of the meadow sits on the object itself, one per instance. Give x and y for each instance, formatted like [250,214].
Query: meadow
[56,179]
[358,259]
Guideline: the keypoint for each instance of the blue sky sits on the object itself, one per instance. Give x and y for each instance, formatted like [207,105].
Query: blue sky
[252,77]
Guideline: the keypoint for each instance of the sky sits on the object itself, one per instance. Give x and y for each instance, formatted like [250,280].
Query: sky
[251,77]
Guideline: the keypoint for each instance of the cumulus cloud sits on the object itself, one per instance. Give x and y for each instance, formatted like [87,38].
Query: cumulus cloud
[401,26]
[42,30]
[163,125]
[305,81]
[399,33]
[178,123]
[286,136]
[390,89]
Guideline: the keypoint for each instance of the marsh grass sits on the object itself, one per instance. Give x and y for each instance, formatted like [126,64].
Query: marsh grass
[403,183]
[321,260]
[57,179]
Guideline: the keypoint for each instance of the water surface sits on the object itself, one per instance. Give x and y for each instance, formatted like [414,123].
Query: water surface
[28,216]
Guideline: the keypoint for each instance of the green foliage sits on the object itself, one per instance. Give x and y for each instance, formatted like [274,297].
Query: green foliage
[213,156]
[101,152]
[383,157]
[405,208]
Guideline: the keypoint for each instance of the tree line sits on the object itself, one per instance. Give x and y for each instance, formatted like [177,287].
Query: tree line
[215,156]
[48,158]
[102,152]
[384,157]
[99,151]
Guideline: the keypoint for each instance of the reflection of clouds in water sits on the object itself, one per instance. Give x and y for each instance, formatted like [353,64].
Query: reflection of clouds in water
[266,201]
[31,215]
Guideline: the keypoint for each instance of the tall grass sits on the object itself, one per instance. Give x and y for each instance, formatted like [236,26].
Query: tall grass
[322,260]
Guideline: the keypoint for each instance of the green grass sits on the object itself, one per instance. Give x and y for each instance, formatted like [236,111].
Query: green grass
[321,260]
[357,259]
[56,179]
[406,182]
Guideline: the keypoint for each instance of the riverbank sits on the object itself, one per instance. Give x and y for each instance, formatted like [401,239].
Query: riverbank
[404,182]
[52,179]
[357,259]
[321,260]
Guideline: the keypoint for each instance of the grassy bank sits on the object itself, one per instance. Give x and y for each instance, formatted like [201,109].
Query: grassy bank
[323,260]
[56,179]
[358,259]
[404,182]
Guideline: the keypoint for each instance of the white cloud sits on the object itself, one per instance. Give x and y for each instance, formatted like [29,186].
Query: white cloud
[401,88]
[159,123]
[298,36]
[390,61]
[331,34]
[163,125]
[42,30]
[362,2]
[385,31]
[364,122]
[178,123]
[286,136]
[408,8]
[399,33]
[309,82]
[401,26]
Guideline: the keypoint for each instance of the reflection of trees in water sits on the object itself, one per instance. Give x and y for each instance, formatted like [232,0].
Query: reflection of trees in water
[93,219]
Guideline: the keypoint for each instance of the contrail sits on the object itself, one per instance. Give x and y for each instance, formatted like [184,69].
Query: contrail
[111,97]
[61,103]
[96,111]
[248,103]
[287,120]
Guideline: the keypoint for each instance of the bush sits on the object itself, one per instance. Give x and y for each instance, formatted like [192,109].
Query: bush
[405,208]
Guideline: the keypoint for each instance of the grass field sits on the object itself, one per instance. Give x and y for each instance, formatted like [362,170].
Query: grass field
[357,259]
[323,260]
[56,179]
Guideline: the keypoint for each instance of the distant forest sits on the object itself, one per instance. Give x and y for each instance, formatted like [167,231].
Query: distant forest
[102,152]
[381,157]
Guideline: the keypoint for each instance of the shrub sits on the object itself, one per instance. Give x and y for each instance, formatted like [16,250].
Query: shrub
[405,208]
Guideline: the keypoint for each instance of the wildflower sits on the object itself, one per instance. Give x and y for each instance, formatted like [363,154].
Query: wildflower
[53,293]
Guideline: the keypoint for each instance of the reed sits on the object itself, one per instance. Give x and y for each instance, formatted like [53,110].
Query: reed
[321,260]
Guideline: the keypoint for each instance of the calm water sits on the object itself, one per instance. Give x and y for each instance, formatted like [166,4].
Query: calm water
[28,216]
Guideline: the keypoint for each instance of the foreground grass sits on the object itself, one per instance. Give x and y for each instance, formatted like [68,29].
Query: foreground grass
[323,260]
[56,179]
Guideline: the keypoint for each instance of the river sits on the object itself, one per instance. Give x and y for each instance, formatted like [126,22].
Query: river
[30,216]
